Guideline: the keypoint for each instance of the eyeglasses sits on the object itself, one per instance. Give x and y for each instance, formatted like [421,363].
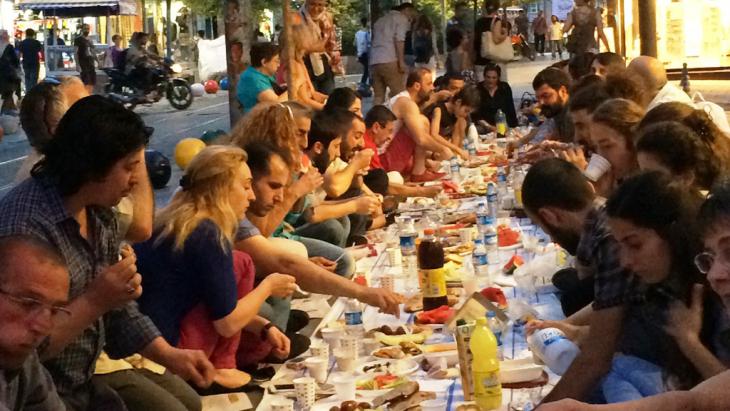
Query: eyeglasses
[34,307]
[704,261]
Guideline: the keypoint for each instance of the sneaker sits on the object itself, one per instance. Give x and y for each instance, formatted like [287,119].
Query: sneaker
[298,319]
[426,176]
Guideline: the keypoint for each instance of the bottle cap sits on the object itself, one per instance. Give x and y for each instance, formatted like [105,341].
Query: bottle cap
[460,322]
[491,314]
[481,321]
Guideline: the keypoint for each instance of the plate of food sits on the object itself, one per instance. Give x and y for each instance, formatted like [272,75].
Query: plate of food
[373,386]
[507,238]
[403,350]
[399,368]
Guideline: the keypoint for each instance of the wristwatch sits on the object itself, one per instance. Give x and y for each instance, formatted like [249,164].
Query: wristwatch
[265,330]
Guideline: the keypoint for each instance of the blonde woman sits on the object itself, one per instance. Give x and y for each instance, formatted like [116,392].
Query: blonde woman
[197,290]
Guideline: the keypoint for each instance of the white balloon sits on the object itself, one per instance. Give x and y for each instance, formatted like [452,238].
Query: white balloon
[198,89]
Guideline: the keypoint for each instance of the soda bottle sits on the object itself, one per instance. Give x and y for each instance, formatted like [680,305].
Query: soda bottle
[501,121]
[455,169]
[485,367]
[431,267]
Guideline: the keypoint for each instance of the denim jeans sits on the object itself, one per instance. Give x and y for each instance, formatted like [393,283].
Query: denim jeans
[31,77]
[334,231]
[319,248]
[632,378]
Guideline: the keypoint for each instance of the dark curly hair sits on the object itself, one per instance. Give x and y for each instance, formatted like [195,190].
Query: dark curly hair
[680,150]
[93,135]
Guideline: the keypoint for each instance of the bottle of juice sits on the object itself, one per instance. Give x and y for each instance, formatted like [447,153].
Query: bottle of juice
[431,266]
[485,368]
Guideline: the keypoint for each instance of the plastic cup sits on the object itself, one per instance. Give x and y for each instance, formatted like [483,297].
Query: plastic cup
[597,167]
[320,349]
[387,282]
[471,284]
[305,388]
[282,404]
[344,387]
[465,235]
[345,360]
[433,405]
[332,336]
[317,367]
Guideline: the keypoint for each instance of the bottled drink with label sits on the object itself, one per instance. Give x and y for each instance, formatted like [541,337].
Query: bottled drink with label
[455,169]
[485,367]
[353,317]
[492,200]
[431,271]
[501,121]
[472,136]
[408,252]
[517,180]
[490,241]
[496,327]
[501,182]
[553,348]
[480,260]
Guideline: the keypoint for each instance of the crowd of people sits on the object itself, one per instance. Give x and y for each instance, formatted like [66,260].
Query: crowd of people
[109,303]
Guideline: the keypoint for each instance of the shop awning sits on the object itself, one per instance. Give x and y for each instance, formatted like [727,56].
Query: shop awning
[80,8]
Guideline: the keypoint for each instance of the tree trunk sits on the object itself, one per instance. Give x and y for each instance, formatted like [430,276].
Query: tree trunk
[238,29]
[647,27]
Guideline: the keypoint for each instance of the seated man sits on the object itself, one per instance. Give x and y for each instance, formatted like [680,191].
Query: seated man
[607,63]
[271,259]
[68,203]
[34,279]
[380,123]
[450,118]
[412,143]
[559,199]
[552,91]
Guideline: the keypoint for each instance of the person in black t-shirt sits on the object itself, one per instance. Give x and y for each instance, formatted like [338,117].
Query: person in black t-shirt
[85,58]
[494,95]
[450,118]
[30,50]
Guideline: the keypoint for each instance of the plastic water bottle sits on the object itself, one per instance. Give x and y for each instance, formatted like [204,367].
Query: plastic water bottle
[501,121]
[490,241]
[492,200]
[455,169]
[480,261]
[482,215]
[353,318]
[501,181]
[485,367]
[408,252]
[472,136]
[553,348]
[496,327]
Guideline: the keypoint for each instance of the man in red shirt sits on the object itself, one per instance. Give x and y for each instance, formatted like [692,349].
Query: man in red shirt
[380,124]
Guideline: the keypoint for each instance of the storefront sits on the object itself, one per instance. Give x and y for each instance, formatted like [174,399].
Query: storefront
[696,32]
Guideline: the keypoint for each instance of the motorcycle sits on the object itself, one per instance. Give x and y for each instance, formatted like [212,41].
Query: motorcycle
[164,82]
[522,47]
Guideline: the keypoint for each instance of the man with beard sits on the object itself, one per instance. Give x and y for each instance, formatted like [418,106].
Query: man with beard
[412,142]
[551,90]
[561,201]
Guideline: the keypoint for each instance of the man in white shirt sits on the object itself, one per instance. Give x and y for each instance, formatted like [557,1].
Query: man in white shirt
[387,62]
[362,44]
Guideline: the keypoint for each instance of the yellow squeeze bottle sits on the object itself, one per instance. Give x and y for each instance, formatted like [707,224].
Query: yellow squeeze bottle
[485,367]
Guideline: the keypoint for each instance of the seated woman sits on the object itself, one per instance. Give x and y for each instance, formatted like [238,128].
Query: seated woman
[670,324]
[494,94]
[197,290]
[344,97]
[673,148]
[612,131]
[257,84]
[450,118]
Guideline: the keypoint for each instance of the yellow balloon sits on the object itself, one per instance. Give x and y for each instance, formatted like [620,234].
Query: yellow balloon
[186,149]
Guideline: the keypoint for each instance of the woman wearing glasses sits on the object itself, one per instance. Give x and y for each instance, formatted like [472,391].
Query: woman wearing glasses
[670,327]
